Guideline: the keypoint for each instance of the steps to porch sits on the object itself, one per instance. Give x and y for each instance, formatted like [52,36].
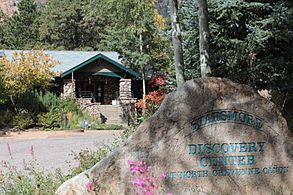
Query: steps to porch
[111,114]
[121,114]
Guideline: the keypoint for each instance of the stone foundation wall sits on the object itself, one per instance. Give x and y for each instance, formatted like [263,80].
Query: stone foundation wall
[87,105]
[123,114]
[129,113]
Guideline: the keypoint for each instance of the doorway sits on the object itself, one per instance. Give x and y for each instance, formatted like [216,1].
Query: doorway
[100,92]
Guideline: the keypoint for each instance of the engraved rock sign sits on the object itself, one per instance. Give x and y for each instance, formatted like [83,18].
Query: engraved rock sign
[212,136]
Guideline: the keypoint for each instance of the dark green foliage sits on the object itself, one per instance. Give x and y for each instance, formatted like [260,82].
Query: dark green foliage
[137,36]
[60,24]
[30,102]
[3,95]
[54,106]
[88,158]
[49,120]
[254,45]
[23,121]
[6,118]
[41,109]
[74,25]
[20,31]
[190,37]
[33,181]
[48,100]
[250,41]
[69,105]
[36,102]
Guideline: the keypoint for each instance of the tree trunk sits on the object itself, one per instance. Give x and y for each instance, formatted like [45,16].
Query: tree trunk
[14,106]
[203,38]
[177,45]
[142,70]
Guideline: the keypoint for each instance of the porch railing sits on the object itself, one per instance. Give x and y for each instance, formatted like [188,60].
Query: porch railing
[85,94]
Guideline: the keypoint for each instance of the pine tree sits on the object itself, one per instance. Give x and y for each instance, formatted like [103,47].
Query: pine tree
[250,41]
[20,30]
[136,36]
[60,25]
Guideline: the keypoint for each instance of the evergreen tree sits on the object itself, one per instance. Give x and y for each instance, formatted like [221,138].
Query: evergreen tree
[251,41]
[61,24]
[137,36]
[97,18]
[2,26]
[20,30]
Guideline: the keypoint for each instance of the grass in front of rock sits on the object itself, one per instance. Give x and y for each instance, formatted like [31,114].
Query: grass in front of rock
[31,179]
[107,127]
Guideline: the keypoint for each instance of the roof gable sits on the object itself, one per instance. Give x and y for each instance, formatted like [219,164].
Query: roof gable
[99,56]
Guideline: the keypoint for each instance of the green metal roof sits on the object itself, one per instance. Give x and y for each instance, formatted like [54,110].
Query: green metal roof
[99,56]
[107,74]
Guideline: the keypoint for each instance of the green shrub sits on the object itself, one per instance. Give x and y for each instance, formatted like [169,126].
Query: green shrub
[76,121]
[48,100]
[33,181]
[29,102]
[88,158]
[36,181]
[69,105]
[48,120]
[45,110]
[6,118]
[23,121]
[106,127]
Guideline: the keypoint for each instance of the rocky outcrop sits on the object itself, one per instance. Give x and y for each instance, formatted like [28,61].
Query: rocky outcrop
[10,6]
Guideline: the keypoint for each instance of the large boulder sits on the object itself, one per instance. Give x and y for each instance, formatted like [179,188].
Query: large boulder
[212,136]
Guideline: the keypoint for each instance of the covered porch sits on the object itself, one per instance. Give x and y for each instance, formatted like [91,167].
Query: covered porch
[101,80]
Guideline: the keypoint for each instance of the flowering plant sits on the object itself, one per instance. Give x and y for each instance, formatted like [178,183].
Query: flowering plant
[90,186]
[152,101]
[144,178]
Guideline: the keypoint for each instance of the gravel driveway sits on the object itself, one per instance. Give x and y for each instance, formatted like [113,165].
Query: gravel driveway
[51,149]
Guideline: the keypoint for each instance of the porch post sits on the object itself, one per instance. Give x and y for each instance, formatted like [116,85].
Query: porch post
[68,89]
[125,89]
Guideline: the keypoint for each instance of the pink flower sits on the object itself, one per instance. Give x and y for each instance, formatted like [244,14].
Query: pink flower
[32,151]
[4,164]
[90,186]
[25,167]
[9,150]
[144,178]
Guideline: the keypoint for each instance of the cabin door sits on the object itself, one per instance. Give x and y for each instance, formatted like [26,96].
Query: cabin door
[100,92]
